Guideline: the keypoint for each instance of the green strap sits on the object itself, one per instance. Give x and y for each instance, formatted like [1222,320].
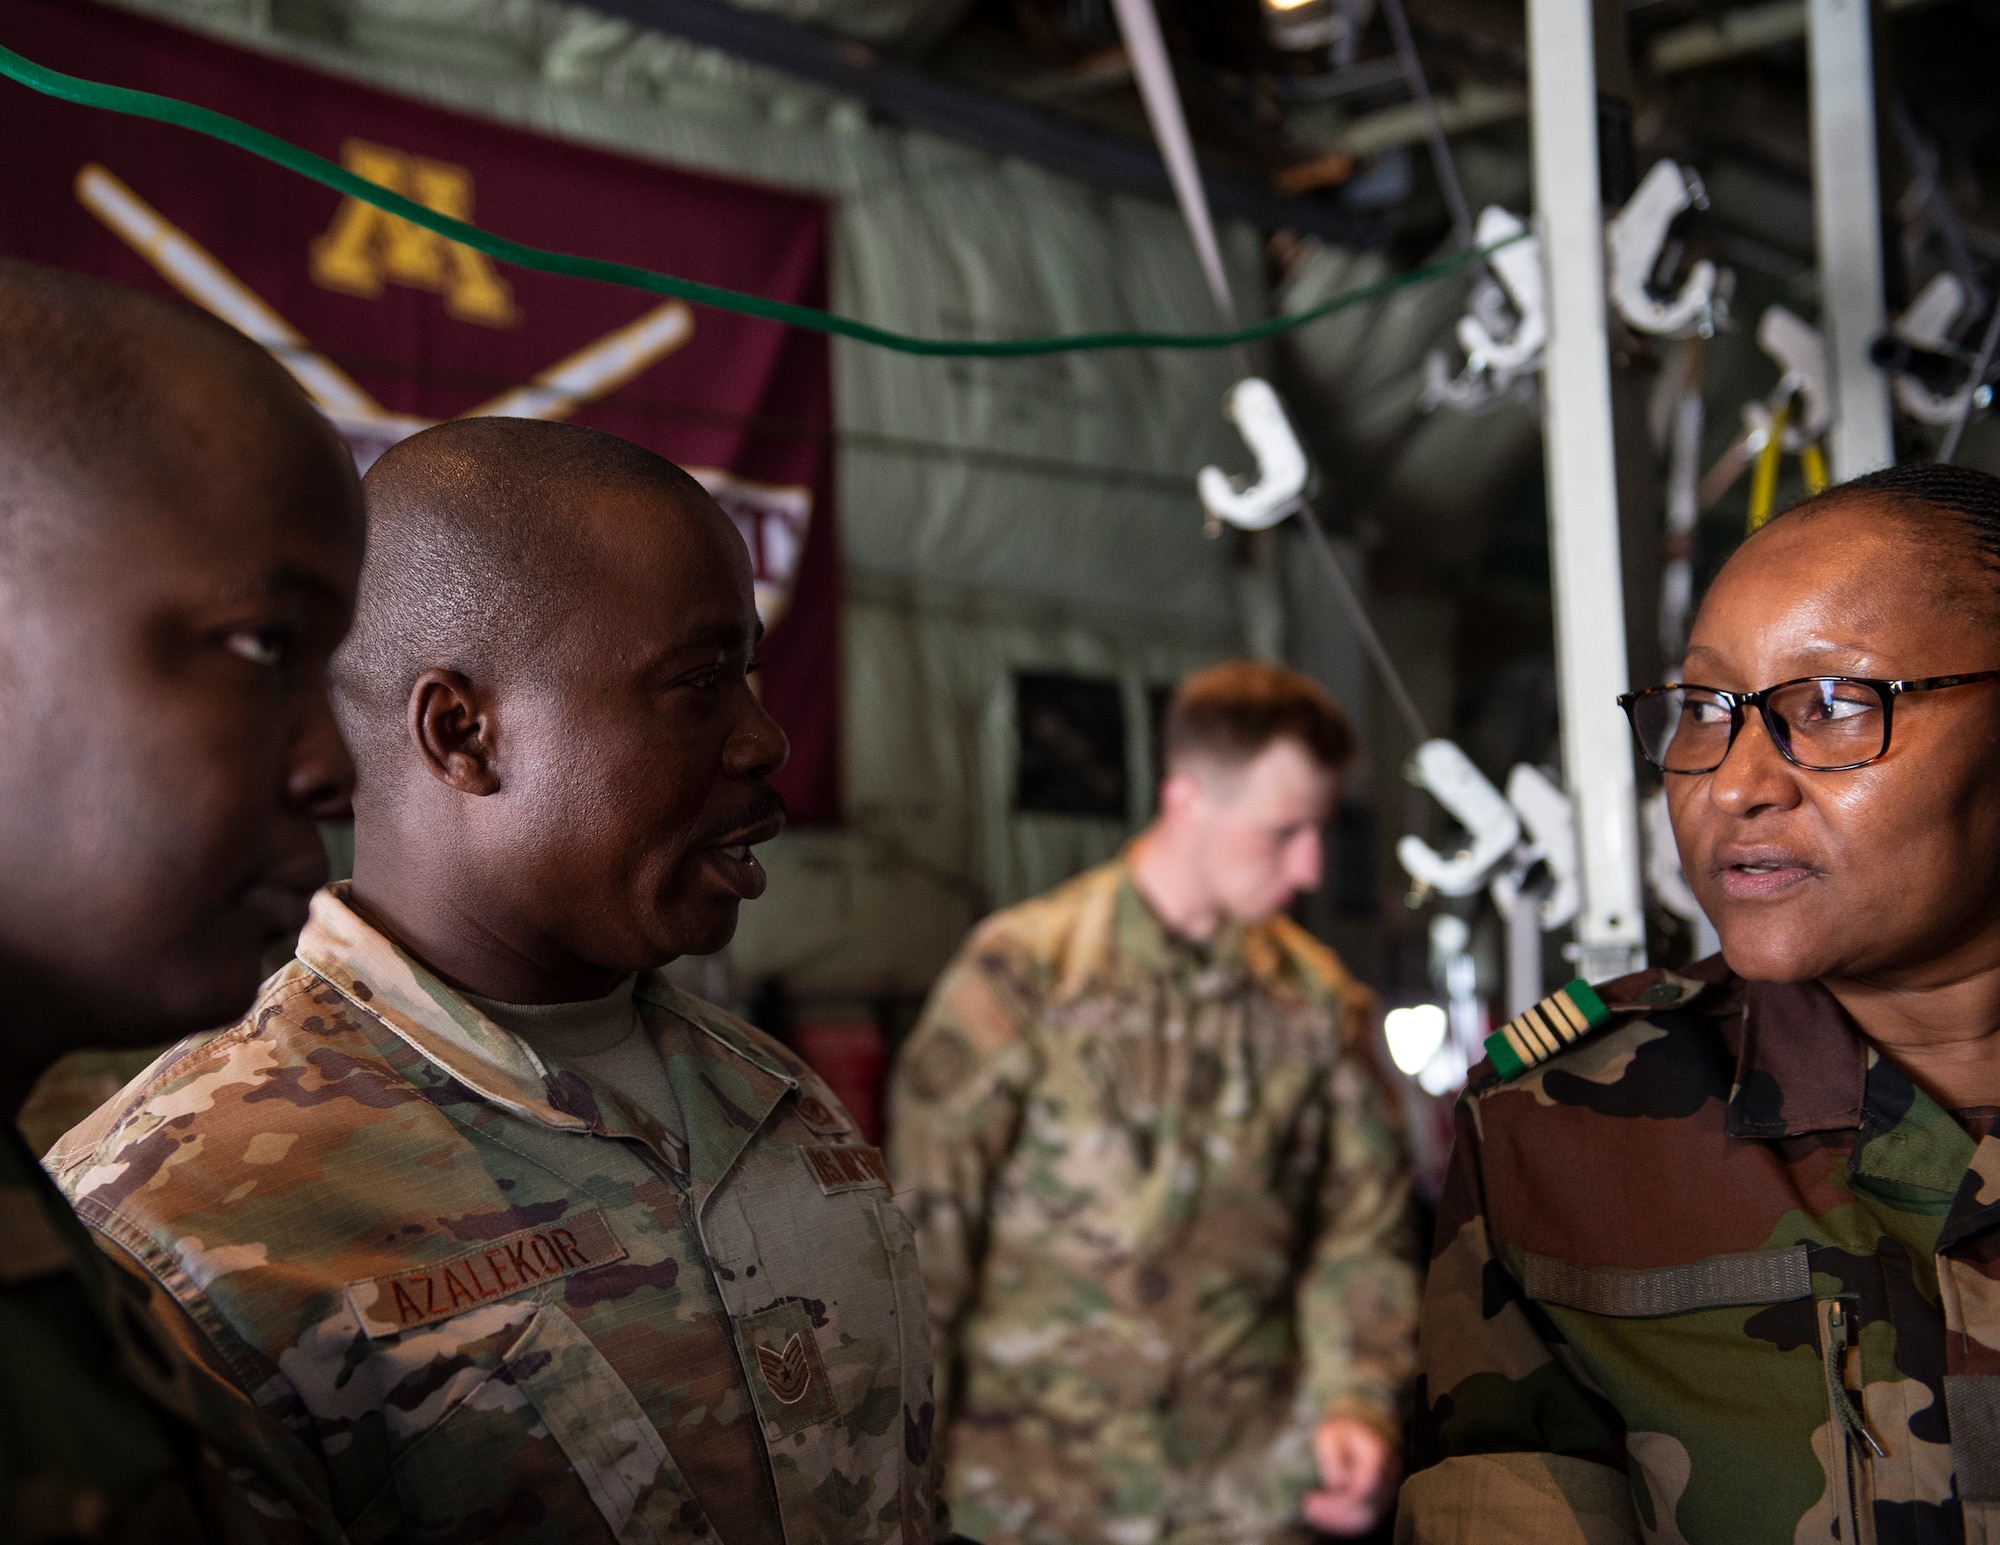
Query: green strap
[186,115]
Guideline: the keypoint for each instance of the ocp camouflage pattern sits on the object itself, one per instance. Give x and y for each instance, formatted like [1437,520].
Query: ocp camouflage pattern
[1160,1195]
[1719,1274]
[496,1300]
[109,1435]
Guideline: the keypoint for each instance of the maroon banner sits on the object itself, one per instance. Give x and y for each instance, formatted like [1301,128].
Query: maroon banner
[389,327]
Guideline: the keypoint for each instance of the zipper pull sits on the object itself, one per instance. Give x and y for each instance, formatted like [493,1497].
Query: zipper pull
[1836,1379]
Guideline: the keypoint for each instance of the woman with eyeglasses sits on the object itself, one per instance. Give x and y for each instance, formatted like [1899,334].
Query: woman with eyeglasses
[1719,1257]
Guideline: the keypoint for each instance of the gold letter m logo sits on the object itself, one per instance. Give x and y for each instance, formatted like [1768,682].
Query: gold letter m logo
[366,246]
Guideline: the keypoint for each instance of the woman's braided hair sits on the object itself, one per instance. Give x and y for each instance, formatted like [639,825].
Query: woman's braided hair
[1923,490]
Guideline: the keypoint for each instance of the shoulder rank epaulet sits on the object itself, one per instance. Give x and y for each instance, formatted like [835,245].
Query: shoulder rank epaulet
[1533,1036]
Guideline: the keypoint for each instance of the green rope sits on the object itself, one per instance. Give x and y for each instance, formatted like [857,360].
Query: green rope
[186,115]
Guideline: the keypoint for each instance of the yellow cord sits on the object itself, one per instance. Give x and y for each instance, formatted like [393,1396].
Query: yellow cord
[1764,476]
[1813,462]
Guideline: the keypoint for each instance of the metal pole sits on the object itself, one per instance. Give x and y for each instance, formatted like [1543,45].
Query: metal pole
[1583,489]
[1847,218]
[1524,952]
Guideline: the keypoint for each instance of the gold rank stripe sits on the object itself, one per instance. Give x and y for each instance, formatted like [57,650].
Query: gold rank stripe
[1536,1034]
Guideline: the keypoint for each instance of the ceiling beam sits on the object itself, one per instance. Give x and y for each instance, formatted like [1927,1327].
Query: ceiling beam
[992,123]
[1747,29]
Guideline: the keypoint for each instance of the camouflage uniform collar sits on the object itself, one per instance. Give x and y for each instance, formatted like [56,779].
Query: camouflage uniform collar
[1801,1063]
[1119,940]
[391,985]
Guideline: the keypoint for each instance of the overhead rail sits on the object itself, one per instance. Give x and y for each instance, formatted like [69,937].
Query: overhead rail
[1745,29]
[282,152]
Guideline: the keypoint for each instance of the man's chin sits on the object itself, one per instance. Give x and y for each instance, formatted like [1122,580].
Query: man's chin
[699,927]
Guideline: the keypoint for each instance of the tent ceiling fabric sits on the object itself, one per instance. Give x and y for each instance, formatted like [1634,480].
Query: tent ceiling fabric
[929,237]
[997,515]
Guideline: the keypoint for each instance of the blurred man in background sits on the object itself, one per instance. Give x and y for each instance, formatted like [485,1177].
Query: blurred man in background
[1158,1186]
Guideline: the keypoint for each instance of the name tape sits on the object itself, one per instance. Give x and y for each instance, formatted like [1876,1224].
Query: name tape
[526,1258]
[846,1169]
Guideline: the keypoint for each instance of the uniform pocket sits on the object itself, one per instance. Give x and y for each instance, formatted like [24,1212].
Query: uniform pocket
[485,1452]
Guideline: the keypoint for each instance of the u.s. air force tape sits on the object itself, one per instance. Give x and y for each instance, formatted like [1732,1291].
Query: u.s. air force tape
[1533,1036]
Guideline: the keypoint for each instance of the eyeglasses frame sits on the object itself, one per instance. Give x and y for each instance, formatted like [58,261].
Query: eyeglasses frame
[1737,702]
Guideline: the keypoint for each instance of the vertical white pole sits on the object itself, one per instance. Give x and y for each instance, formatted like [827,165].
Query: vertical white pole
[1583,490]
[1847,217]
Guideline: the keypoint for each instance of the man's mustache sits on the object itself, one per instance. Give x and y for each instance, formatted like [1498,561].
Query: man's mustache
[762,806]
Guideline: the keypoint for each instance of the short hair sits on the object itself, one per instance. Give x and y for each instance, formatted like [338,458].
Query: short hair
[474,554]
[1929,492]
[92,389]
[1231,712]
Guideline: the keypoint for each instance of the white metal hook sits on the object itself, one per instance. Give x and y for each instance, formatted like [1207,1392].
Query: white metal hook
[1545,810]
[1454,782]
[1928,324]
[1634,239]
[1518,267]
[1663,873]
[1281,462]
[1798,347]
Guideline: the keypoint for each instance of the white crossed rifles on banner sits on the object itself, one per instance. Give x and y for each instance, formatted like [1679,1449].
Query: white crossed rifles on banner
[367,426]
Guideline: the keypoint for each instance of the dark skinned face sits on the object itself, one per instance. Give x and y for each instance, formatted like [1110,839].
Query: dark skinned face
[619,777]
[1890,872]
[169,741]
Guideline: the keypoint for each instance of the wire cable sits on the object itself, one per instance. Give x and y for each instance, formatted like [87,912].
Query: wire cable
[282,152]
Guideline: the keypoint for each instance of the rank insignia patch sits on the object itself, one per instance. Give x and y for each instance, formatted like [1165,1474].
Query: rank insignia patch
[788,1371]
[790,1387]
[1533,1036]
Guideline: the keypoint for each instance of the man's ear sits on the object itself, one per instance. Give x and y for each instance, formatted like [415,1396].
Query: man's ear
[1182,795]
[453,730]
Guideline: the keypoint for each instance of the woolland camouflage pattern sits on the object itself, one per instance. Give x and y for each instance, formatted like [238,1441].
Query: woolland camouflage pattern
[1718,1273]
[1159,1193]
[496,1300]
[107,1432]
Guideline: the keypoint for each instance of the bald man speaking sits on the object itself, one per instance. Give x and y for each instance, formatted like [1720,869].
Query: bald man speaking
[529,1244]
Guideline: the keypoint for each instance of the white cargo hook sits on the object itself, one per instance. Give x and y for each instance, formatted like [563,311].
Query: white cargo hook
[1494,828]
[1280,485]
[1799,348]
[1517,264]
[1635,238]
[1928,324]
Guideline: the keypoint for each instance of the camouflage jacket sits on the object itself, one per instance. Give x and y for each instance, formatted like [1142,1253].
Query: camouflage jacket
[101,1417]
[1717,1273]
[498,1300]
[1160,1200]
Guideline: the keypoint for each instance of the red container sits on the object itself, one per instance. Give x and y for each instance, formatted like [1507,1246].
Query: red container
[852,1055]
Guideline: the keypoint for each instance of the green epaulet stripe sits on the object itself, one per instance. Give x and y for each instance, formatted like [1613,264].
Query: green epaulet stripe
[1533,1036]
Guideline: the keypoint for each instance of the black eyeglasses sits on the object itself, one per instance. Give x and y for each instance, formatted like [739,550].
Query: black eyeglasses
[1819,723]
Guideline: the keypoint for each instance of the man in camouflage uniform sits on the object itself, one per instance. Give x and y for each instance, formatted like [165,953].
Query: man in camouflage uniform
[179,539]
[510,1284]
[1158,1188]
